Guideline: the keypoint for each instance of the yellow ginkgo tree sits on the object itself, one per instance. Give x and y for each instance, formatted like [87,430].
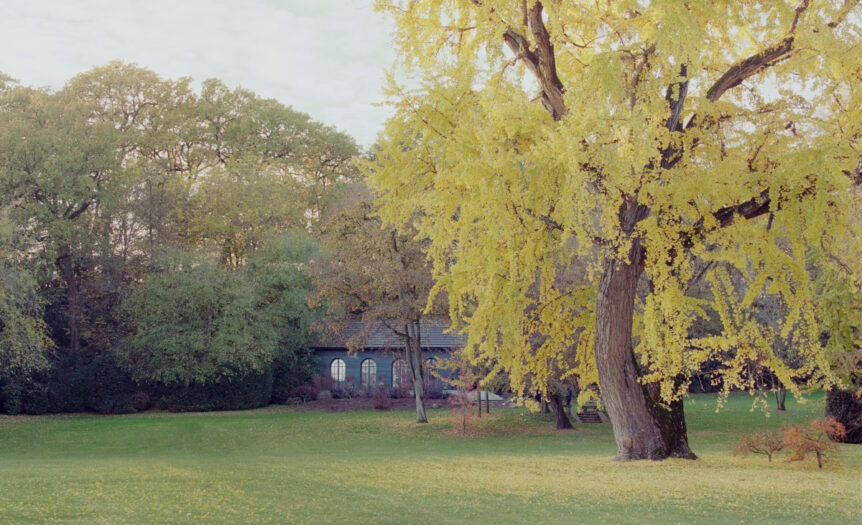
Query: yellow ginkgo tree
[578,165]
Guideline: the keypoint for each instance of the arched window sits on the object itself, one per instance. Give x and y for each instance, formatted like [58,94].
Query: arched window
[337,369]
[369,373]
[432,382]
[400,374]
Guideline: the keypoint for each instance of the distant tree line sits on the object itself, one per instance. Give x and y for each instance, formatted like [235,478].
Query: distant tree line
[155,241]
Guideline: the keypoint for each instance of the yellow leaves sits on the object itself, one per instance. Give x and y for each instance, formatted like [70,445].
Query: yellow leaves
[512,200]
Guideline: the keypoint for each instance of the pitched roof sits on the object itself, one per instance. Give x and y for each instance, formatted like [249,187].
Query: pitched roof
[432,335]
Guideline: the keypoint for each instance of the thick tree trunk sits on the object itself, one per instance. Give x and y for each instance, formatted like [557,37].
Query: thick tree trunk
[563,422]
[643,428]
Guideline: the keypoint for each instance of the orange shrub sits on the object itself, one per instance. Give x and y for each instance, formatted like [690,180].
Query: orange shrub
[766,443]
[815,439]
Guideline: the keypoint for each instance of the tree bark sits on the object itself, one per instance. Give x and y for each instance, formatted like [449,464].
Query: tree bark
[562,419]
[66,266]
[780,397]
[643,428]
[415,346]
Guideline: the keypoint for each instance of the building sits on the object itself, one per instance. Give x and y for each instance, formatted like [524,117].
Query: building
[381,362]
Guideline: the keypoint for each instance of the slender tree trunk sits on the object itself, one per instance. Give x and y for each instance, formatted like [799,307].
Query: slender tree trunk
[643,428]
[780,397]
[563,422]
[415,346]
[66,266]
[487,402]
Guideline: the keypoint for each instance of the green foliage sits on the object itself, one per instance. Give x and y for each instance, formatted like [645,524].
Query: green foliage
[234,391]
[23,337]
[195,322]
[279,272]
[23,333]
[104,181]
[839,310]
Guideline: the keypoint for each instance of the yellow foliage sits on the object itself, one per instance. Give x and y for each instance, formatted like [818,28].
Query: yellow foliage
[521,207]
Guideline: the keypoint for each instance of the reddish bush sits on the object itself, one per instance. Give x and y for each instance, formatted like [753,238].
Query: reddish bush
[324,382]
[766,443]
[382,400]
[304,393]
[815,439]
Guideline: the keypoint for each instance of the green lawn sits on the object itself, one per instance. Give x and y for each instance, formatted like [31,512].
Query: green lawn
[278,465]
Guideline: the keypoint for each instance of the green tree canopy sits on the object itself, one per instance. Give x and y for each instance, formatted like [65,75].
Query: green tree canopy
[195,322]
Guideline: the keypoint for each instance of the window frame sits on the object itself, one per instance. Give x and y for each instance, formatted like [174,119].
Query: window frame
[342,368]
[368,378]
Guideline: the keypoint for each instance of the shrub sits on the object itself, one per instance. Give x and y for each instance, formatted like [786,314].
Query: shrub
[402,391]
[93,382]
[382,401]
[290,370]
[461,401]
[766,443]
[323,382]
[499,384]
[846,407]
[304,393]
[346,389]
[816,438]
[236,392]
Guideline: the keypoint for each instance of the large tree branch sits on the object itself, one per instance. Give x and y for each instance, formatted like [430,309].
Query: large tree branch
[72,213]
[540,61]
[750,66]
[756,63]
[749,209]
[675,97]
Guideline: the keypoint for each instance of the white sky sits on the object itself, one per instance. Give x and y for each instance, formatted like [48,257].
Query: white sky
[323,57]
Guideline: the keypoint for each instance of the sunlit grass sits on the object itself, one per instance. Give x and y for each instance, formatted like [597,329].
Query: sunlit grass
[277,465]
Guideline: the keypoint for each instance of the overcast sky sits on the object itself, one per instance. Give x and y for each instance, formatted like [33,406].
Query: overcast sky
[324,57]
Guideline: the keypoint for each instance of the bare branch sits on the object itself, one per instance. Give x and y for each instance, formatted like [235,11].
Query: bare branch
[758,62]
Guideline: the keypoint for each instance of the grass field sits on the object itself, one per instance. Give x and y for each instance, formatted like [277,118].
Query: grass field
[279,465]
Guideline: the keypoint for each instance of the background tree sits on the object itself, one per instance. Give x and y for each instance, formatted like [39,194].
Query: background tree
[377,274]
[195,322]
[663,139]
[122,168]
[23,334]
[281,275]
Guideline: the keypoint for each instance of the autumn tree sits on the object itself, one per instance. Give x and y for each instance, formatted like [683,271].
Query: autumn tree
[377,274]
[663,142]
